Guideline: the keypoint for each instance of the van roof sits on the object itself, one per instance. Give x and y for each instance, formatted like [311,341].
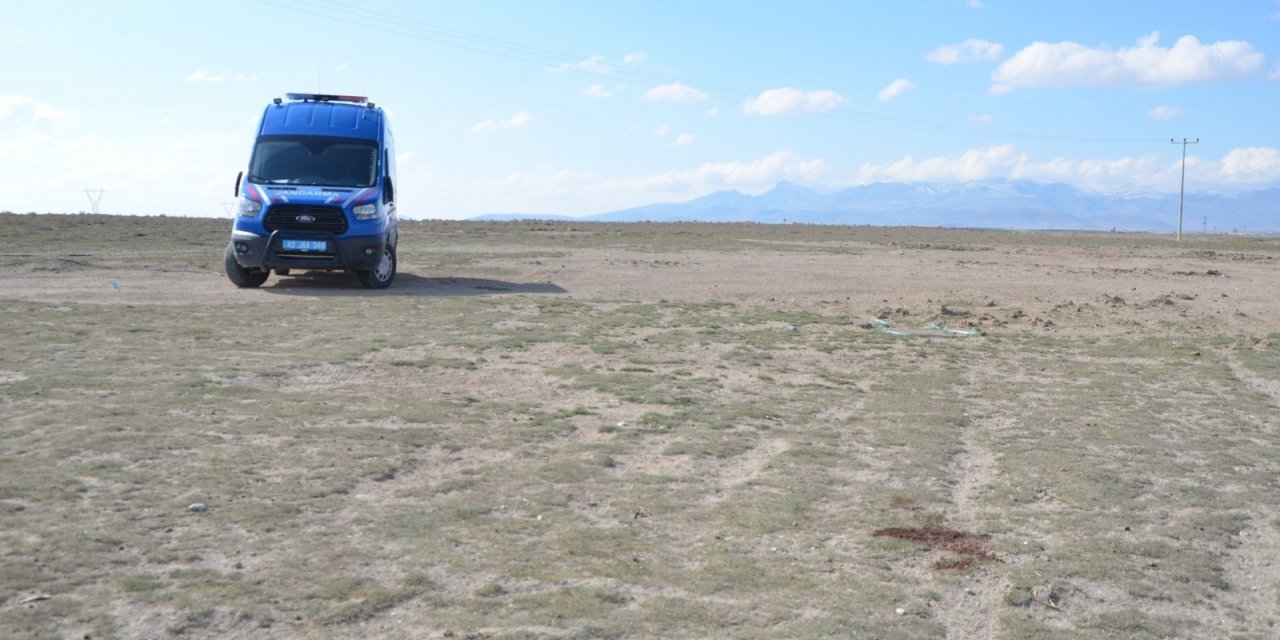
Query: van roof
[322,118]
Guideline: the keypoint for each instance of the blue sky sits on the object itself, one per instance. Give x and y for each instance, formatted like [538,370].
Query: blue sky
[579,107]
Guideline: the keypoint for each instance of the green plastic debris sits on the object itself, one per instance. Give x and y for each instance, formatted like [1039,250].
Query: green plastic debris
[931,331]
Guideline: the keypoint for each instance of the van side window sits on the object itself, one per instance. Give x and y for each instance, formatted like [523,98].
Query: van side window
[389,161]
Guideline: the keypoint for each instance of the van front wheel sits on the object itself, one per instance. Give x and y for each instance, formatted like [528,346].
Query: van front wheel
[382,274]
[240,276]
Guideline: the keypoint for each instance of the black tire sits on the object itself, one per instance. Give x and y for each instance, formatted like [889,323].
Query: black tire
[240,276]
[382,275]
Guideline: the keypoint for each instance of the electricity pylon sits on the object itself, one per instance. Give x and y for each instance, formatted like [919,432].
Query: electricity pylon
[95,198]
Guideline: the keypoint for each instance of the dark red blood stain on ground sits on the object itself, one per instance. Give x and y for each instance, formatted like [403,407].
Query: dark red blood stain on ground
[970,546]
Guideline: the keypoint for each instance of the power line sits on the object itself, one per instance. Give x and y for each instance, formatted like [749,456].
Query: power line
[337,11]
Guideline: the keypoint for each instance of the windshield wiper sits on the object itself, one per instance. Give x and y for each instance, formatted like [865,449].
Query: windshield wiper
[253,178]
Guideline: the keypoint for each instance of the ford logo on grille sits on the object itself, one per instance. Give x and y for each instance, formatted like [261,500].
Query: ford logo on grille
[305,218]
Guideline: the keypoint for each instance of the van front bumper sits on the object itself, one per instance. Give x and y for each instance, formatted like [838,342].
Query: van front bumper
[352,253]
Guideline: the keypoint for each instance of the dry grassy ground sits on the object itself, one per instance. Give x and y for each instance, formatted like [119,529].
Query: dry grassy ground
[641,431]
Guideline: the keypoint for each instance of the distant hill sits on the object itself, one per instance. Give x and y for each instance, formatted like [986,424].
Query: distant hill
[996,204]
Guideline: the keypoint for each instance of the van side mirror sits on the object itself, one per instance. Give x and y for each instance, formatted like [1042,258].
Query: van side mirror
[238,177]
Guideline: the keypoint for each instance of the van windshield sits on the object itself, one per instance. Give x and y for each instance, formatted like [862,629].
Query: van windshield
[314,160]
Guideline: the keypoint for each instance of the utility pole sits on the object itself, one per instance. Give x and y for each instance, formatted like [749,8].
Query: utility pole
[1182,191]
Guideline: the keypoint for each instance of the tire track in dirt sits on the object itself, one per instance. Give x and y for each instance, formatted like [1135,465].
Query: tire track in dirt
[1251,571]
[1265,386]
[971,611]
[1251,568]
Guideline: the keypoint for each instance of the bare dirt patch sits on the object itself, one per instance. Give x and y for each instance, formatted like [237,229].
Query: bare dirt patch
[970,547]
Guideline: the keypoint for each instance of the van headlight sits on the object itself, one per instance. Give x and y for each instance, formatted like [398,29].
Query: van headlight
[249,208]
[365,211]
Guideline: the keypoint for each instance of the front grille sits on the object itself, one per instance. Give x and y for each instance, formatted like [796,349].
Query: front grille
[284,217]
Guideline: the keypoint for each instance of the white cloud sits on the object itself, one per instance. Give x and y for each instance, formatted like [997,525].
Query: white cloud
[635,58]
[662,131]
[976,4]
[549,190]
[1250,165]
[895,89]
[711,176]
[48,172]
[786,100]
[562,181]
[27,110]
[974,164]
[684,139]
[676,92]
[597,92]
[981,118]
[1006,161]
[1146,65]
[1244,167]
[1165,112]
[713,112]
[200,76]
[488,126]
[594,64]
[539,190]
[971,50]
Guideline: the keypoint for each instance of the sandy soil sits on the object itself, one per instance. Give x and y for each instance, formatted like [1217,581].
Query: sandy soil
[1235,292]
[1061,289]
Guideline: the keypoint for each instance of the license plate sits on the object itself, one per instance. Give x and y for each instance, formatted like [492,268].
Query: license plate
[306,245]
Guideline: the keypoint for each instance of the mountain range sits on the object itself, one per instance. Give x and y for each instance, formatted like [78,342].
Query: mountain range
[994,204]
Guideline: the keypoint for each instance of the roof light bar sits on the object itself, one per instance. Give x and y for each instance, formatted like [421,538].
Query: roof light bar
[325,97]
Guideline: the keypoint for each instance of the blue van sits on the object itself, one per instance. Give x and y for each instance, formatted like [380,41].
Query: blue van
[319,193]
